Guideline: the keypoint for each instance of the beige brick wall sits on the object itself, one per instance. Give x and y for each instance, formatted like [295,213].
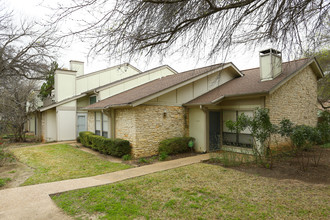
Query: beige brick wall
[295,100]
[146,126]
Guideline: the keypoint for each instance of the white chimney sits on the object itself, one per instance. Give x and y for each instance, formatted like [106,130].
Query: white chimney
[270,64]
[77,66]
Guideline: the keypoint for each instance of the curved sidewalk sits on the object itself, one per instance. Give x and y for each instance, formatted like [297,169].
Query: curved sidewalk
[34,202]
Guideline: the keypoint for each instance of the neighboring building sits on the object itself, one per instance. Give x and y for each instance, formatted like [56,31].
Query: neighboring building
[63,117]
[148,107]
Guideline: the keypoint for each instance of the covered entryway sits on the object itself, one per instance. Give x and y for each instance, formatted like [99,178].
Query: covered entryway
[214,130]
[81,122]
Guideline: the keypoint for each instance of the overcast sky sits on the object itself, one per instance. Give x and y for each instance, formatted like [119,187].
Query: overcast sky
[34,9]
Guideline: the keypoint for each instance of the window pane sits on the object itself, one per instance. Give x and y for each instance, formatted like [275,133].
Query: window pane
[92,100]
[105,134]
[228,115]
[105,123]
[98,121]
[229,139]
[97,132]
[245,140]
[249,114]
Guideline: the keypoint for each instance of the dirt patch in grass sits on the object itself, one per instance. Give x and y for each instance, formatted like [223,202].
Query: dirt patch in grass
[303,167]
[17,172]
[199,191]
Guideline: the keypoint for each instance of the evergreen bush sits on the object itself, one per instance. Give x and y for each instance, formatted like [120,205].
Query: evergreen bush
[175,145]
[114,147]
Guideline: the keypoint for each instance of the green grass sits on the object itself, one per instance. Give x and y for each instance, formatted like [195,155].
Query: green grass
[231,159]
[199,191]
[326,145]
[61,162]
[3,181]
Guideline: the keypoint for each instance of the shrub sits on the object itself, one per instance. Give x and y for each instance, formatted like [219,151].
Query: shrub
[143,160]
[175,145]
[304,137]
[126,157]
[286,128]
[324,127]
[114,147]
[84,138]
[120,147]
[162,156]
[5,156]
[3,181]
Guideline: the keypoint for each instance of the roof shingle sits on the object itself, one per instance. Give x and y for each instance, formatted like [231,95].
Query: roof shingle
[250,83]
[150,88]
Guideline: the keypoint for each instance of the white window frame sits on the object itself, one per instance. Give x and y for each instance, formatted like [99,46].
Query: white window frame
[104,124]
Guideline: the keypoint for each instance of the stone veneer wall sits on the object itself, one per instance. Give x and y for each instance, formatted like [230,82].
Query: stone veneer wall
[295,100]
[125,125]
[146,126]
[91,121]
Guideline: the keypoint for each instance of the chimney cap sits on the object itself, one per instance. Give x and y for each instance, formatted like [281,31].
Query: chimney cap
[76,61]
[270,51]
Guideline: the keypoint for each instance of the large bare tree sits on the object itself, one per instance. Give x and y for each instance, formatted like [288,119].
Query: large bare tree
[17,99]
[148,27]
[26,51]
[26,48]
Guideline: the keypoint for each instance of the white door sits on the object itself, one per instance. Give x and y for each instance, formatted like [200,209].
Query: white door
[81,122]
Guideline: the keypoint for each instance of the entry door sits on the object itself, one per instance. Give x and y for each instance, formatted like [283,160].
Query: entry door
[81,122]
[214,131]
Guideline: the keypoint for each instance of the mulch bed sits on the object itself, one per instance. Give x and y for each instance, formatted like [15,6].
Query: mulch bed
[302,168]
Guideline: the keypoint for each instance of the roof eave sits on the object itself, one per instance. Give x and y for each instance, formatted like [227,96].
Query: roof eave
[107,107]
[42,109]
[222,98]
[193,79]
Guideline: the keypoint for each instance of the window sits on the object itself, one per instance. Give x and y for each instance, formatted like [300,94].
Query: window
[233,138]
[98,118]
[105,125]
[92,99]
[101,124]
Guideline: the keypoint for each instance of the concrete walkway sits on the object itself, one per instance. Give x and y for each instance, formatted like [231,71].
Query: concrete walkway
[34,202]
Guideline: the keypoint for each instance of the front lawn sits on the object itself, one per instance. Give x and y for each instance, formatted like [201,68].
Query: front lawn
[61,162]
[199,191]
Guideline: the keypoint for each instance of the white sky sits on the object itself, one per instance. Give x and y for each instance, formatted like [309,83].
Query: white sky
[31,9]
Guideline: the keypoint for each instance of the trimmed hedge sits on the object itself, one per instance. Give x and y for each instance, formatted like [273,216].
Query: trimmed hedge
[175,145]
[114,147]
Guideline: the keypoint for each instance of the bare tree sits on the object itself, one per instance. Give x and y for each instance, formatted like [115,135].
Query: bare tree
[17,100]
[147,27]
[26,49]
